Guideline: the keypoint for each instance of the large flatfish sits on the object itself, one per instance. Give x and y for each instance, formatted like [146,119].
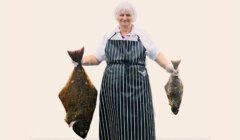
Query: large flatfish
[174,90]
[79,97]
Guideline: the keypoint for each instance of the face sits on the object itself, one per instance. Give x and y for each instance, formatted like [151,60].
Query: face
[125,18]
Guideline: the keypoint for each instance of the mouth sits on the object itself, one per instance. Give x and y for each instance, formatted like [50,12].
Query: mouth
[125,22]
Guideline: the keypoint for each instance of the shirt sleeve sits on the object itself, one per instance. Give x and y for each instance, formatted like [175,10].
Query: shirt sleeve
[100,53]
[148,43]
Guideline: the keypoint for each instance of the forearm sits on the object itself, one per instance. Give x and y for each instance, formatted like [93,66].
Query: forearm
[89,60]
[163,61]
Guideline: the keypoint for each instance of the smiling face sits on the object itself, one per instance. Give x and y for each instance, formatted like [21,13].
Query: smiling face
[125,18]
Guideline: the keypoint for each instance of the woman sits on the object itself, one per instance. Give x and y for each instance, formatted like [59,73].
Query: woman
[126,109]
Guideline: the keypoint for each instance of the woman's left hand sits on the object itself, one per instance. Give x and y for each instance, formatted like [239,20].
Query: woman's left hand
[173,71]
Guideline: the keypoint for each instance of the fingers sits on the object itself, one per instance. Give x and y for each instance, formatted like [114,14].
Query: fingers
[170,69]
[75,63]
[175,72]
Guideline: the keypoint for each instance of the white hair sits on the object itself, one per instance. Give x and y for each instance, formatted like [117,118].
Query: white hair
[125,6]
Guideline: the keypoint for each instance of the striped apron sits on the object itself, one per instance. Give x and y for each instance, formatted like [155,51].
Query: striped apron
[126,110]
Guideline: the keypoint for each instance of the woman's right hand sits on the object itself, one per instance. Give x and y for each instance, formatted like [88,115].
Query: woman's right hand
[75,63]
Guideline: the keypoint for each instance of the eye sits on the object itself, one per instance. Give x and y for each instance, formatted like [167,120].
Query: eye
[128,15]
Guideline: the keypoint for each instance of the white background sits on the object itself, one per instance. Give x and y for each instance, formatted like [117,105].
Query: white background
[35,35]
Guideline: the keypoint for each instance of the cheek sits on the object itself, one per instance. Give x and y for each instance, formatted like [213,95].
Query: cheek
[129,18]
[119,18]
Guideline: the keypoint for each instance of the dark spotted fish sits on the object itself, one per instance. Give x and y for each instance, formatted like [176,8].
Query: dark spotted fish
[174,90]
[79,97]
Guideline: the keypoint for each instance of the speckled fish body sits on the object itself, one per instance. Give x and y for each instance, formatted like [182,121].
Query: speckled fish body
[79,97]
[174,90]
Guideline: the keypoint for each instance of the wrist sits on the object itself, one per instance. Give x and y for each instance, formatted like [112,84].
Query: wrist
[83,62]
[169,68]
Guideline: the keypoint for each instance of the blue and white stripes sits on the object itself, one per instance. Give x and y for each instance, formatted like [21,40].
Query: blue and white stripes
[126,109]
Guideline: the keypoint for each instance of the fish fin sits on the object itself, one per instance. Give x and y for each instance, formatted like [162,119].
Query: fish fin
[175,63]
[76,55]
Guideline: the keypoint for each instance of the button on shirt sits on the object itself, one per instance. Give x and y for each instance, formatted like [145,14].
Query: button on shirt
[151,50]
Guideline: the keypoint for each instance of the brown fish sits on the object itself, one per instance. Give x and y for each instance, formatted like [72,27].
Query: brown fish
[174,90]
[79,97]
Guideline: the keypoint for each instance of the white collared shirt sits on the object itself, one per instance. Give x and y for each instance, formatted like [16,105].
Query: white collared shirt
[151,50]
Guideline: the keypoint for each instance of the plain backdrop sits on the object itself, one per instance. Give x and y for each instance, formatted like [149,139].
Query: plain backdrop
[36,34]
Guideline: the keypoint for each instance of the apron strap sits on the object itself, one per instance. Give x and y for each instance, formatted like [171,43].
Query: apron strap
[112,35]
[116,33]
[138,37]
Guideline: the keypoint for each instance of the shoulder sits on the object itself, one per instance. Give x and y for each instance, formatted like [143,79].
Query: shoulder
[142,33]
[144,36]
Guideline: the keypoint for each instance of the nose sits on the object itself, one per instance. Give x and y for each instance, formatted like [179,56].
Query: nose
[124,17]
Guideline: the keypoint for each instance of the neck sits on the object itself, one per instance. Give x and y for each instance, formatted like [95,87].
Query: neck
[125,29]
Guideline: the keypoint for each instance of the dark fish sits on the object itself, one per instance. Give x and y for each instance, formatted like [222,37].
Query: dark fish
[174,90]
[79,97]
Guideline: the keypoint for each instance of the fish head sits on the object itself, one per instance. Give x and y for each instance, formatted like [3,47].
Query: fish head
[79,128]
[174,110]
[175,104]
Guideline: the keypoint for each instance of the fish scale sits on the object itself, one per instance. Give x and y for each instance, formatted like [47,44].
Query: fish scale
[174,90]
[79,97]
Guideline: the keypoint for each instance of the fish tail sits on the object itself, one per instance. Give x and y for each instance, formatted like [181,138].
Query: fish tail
[175,63]
[76,55]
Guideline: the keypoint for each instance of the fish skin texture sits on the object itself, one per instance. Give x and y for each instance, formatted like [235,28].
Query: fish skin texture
[174,90]
[79,97]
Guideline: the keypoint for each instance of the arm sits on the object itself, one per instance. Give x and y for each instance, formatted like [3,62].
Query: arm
[154,53]
[165,63]
[89,60]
